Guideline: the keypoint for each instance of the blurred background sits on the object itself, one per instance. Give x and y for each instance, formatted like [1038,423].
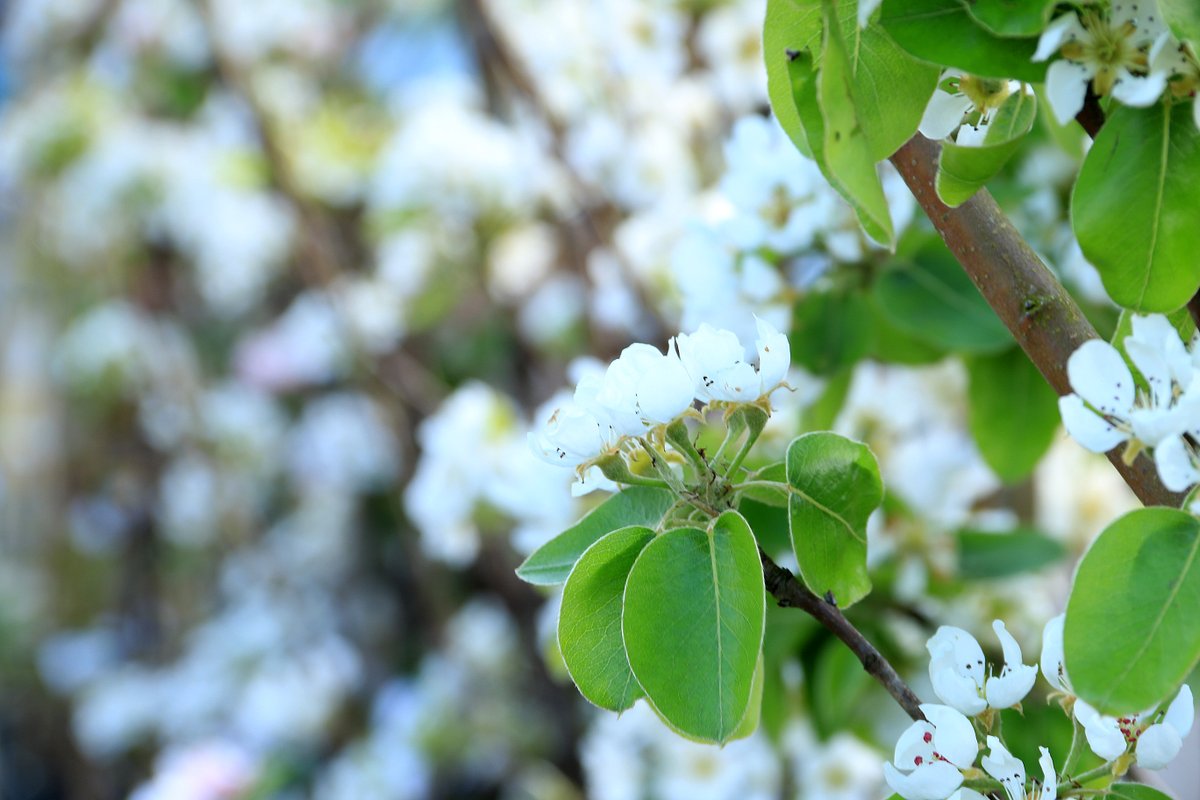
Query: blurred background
[283,285]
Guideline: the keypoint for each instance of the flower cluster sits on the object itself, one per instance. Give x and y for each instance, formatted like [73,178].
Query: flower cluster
[1160,409]
[936,755]
[1127,53]
[645,388]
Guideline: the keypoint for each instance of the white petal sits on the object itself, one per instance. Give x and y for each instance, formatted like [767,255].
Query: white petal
[1049,776]
[1052,654]
[1056,33]
[1148,358]
[666,390]
[774,355]
[1009,688]
[1103,733]
[738,384]
[1008,645]
[1158,746]
[1174,464]
[1087,427]
[935,781]
[912,745]
[953,735]
[865,9]
[1099,375]
[943,114]
[1066,87]
[966,794]
[957,669]
[972,135]
[1137,91]
[1182,712]
[1001,765]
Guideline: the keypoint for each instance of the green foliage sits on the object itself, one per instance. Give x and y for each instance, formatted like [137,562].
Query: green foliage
[835,485]
[942,32]
[1011,17]
[839,685]
[1183,18]
[695,607]
[983,555]
[831,331]
[963,170]
[790,26]
[1136,791]
[934,301]
[589,623]
[636,505]
[1132,634]
[1134,206]
[1012,412]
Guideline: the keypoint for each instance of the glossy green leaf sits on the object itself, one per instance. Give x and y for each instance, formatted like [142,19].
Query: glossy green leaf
[831,331]
[889,86]
[791,26]
[963,170]
[1132,633]
[776,498]
[983,555]
[943,33]
[934,300]
[636,505]
[1183,18]
[695,611]
[1135,203]
[589,622]
[835,485]
[1012,412]
[749,723]
[846,151]
[1136,791]
[1011,17]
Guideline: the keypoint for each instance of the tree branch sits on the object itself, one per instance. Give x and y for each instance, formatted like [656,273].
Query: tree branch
[1025,295]
[784,587]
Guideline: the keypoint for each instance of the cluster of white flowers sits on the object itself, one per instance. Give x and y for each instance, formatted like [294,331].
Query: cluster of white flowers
[933,755]
[646,388]
[1160,409]
[1127,53]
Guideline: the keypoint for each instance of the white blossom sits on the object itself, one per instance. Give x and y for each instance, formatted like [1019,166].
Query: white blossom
[931,755]
[962,678]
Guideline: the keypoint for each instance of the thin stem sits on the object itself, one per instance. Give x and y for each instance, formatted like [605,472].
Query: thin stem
[677,434]
[659,461]
[784,587]
[1077,740]
[1064,787]
[729,437]
[751,438]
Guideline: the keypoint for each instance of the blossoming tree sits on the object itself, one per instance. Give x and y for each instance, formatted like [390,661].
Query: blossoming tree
[665,583]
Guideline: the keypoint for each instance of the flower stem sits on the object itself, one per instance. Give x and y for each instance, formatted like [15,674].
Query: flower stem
[1066,787]
[1077,740]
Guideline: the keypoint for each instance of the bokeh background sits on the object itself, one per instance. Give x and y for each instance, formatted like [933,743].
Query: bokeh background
[284,284]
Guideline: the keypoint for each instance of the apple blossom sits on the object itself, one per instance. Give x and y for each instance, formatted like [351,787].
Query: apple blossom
[931,755]
[1004,767]
[958,96]
[960,675]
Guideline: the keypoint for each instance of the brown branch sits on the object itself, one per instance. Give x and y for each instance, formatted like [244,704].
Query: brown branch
[1025,295]
[790,593]
[1091,116]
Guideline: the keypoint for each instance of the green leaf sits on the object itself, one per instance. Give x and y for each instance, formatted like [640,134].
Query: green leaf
[695,610]
[963,170]
[589,623]
[1134,206]
[1012,412]
[831,331]
[749,723]
[835,487]
[1011,17]
[936,302]
[637,505]
[983,555]
[776,498]
[823,412]
[1136,791]
[790,26]
[846,151]
[890,87]
[943,33]
[838,686]
[1132,633]
[1183,18]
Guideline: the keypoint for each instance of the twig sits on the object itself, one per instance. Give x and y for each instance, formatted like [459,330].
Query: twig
[784,587]
[1025,295]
